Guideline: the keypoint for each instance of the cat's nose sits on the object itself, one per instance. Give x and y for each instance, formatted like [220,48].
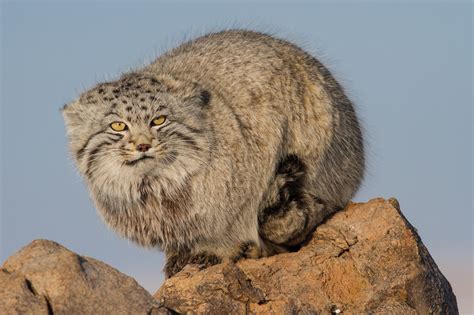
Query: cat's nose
[143,147]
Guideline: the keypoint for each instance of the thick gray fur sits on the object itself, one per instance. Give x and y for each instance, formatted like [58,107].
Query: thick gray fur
[260,145]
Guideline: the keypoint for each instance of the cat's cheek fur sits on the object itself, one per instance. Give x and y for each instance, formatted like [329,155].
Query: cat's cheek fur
[141,207]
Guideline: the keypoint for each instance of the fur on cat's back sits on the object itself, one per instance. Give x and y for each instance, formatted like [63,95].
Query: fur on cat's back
[259,145]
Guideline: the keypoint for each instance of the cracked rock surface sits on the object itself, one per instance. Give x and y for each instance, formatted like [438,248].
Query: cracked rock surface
[365,259]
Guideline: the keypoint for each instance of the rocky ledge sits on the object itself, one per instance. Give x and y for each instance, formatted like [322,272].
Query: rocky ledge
[364,259]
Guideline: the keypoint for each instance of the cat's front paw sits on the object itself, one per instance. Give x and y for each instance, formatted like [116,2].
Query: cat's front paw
[175,262]
[247,250]
[204,260]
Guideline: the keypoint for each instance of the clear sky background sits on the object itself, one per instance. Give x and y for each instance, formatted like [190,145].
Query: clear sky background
[407,66]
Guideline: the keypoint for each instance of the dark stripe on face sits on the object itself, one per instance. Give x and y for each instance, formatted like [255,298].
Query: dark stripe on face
[80,152]
[90,160]
[119,136]
[111,113]
[159,109]
[185,138]
[191,129]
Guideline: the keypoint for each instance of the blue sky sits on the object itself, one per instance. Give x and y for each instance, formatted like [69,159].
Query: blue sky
[407,67]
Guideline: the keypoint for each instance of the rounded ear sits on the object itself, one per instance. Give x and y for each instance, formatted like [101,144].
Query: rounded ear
[72,116]
[78,113]
[78,118]
[195,94]
[185,90]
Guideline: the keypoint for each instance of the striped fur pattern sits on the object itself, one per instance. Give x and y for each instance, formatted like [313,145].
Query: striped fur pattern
[260,145]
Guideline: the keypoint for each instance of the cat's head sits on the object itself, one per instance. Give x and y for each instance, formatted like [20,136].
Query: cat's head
[139,126]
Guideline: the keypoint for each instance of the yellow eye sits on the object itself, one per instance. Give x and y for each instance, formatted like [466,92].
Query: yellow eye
[118,126]
[160,120]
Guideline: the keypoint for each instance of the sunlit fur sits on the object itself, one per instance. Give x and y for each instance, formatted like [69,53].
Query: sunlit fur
[248,117]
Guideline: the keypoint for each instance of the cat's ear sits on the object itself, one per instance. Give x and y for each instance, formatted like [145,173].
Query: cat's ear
[72,115]
[77,113]
[74,121]
[78,118]
[197,95]
[197,98]
[205,97]
[189,92]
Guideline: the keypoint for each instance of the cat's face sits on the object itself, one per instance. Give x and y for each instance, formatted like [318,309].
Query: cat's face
[139,126]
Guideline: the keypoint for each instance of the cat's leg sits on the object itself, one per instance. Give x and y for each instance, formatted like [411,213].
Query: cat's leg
[211,254]
[176,261]
[292,223]
[253,250]
[292,212]
[247,250]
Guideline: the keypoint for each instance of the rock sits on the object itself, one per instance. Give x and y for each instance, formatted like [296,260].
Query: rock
[364,259]
[46,278]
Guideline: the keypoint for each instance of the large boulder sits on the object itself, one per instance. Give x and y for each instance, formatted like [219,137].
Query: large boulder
[366,259]
[46,278]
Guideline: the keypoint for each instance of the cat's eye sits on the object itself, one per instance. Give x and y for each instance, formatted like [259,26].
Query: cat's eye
[160,120]
[118,126]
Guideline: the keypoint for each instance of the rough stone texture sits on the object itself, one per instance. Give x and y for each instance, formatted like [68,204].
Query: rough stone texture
[365,259]
[46,278]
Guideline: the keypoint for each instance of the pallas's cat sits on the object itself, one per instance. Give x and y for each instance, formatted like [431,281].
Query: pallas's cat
[235,144]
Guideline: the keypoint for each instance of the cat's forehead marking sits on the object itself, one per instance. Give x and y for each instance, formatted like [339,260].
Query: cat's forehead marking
[136,98]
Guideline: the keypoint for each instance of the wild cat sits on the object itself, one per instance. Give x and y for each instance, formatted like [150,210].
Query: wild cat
[235,144]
